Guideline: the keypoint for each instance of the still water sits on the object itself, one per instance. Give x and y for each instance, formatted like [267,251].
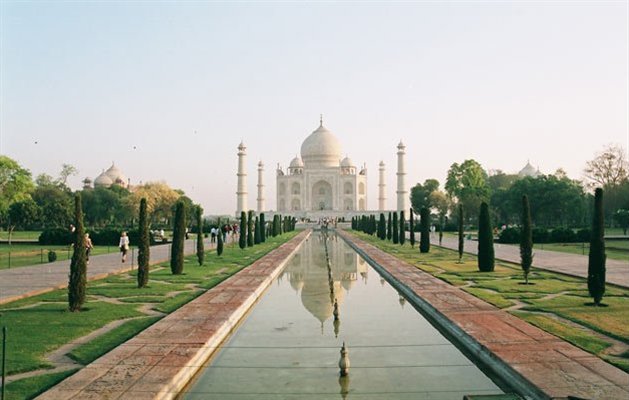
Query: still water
[288,347]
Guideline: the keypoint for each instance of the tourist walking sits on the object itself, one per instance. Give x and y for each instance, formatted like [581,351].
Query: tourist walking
[124,245]
[88,247]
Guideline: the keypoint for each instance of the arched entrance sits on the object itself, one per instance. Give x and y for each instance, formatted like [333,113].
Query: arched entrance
[321,196]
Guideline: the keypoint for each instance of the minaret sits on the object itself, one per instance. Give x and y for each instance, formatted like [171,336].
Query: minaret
[381,189]
[241,193]
[260,187]
[402,193]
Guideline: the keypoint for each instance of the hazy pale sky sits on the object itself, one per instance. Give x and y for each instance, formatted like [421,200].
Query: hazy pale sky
[167,90]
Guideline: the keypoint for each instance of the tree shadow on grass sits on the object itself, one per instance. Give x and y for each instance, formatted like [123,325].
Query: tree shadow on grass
[596,305]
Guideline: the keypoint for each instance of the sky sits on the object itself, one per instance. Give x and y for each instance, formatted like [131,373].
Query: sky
[167,90]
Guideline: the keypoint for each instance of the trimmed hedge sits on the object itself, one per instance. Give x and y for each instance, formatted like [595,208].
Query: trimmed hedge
[541,235]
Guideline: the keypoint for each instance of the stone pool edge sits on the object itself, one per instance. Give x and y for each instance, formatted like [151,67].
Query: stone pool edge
[461,331]
[161,361]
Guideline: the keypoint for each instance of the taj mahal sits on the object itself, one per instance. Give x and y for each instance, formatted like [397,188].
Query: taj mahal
[318,182]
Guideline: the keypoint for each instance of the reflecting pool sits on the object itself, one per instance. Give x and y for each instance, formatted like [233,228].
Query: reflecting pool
[288,346]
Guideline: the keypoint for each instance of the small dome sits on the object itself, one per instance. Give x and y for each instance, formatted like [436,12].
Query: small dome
[103,180]
[401,145]
[381,163]
[321,149]
[528,170]
[346,162]
[296,163]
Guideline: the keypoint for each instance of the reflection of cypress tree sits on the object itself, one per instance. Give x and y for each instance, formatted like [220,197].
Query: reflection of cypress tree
[526,239]
[200,248]
[262,228]
[242,240]
[179,234]
[597,257]
[256,232]
[461,241]
[394,229]
[250,223]
[402,228]
[78,264]
[389,227]
[485,240]
[411,227]
[424,238]
[219,239]
[143,247]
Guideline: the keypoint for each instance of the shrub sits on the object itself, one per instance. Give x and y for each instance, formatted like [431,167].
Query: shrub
[56,237]
[509,236]
[596,257]
[52,256]
[424,233]
[486,260]
[584,235]
[179,232]
[143,246]
[526,240]
[563,235]
[541,235]
[78,264]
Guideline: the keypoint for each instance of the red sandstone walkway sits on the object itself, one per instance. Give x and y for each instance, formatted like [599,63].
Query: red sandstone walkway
[17,283]
[558,368]
[157,363]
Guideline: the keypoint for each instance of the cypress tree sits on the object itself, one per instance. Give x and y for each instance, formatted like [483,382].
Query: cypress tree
[461,241]
[526,239]
[179,234]
[219,239]
[389,227]
[242,239]
[424,236]
[78,264]
[382,227]
[200,248]
[250,223]
[262,228]
[597,257]
[402,228]
[256,232]
[412,227]
[143,247]
[485,240]
[274,230]
[394,229]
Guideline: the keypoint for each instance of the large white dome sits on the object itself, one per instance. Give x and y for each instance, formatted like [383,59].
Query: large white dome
[321,149]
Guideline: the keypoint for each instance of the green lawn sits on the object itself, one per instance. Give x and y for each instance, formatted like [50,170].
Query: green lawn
[558,297]
[20,235]
[40,324]
[614,249]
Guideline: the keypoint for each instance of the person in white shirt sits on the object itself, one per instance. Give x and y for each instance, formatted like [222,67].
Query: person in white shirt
[124,245]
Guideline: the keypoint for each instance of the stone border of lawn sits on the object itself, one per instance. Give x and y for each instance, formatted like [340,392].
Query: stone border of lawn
[536,364]
[159,362]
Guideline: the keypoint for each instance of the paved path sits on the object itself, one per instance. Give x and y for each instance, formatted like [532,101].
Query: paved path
[159,362]
[507,344]
[17,283]
[565,263]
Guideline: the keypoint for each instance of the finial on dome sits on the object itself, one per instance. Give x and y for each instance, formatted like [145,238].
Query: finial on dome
[320,119]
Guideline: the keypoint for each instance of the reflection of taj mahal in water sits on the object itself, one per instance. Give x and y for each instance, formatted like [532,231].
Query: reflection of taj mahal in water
[307,273]
[319,183]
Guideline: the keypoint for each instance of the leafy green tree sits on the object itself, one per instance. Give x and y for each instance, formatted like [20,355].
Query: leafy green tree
[526,239]
[402,228]
[394,230]
[256,232]
[242,239]
[389,228]
[143,247]
[411,227]
[23,214]
[485,240]
[262,228]
[15,185]
[219,239]
[461,237]
[250,223]
[200,248]
[179,234]
[424,222]
[55,205]
[467,182]
[622,217]
[597,257]
[420,194]
[78,264]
